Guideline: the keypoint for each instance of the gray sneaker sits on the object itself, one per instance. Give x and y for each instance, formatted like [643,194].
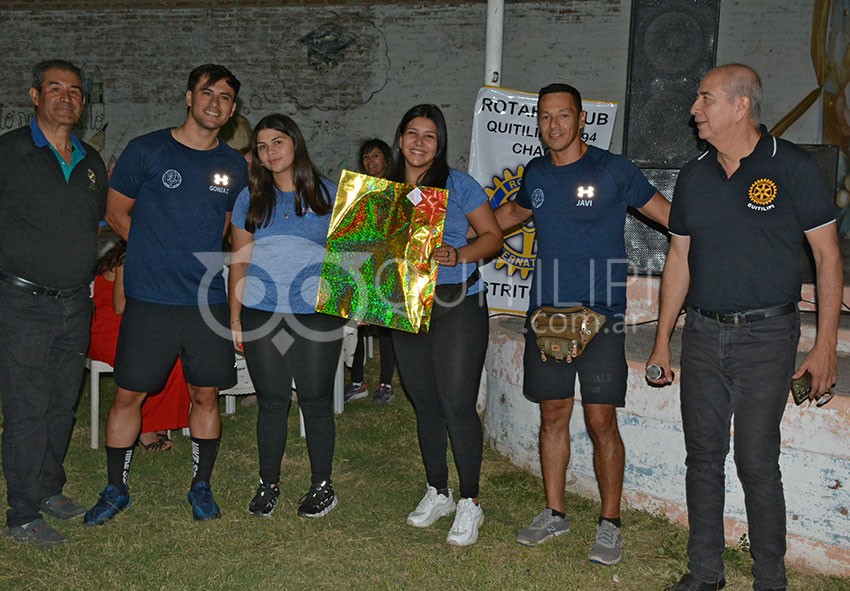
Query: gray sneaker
[355,391]
[35,533]
[61,507]
[609,542]
[543,527]
[384,394]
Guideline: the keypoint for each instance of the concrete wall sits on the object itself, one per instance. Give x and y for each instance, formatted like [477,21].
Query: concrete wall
[815,460]
[348,71]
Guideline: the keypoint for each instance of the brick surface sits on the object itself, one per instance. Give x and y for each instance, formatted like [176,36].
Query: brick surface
[347,71]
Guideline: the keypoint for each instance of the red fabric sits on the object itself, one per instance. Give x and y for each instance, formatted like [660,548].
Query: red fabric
[161,411]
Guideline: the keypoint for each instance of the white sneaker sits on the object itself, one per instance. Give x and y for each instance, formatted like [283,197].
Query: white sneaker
[468,519]
[432,506]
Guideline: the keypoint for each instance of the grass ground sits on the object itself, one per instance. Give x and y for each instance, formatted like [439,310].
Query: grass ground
[363,544]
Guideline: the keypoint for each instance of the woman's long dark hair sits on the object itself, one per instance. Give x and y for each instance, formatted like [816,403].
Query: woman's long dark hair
[438,174]
[112,258]
[310,192]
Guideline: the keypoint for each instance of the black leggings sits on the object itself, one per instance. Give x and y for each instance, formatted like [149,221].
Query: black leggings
[385,335]
[305,347]
[441,371]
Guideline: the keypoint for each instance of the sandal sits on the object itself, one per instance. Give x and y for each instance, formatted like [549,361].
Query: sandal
[163,443]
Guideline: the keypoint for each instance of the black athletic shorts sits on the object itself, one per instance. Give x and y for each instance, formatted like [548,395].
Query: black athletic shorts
[153,335]
[601,369]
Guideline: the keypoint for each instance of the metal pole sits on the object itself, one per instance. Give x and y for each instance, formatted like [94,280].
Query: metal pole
[495,28]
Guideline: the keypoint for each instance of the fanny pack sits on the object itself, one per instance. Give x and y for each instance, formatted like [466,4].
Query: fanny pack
[563,333]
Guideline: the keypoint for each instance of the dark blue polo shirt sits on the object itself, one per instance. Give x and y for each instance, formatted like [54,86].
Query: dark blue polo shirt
[747,230]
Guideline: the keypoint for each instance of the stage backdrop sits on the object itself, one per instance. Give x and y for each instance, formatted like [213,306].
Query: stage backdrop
[504,139]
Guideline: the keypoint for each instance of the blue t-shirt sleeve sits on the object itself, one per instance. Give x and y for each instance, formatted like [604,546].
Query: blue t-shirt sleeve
[240,208]
[635,189]
[522,197]
[130,170]
[466,191]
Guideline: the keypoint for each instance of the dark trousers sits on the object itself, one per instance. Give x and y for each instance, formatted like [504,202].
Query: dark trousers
[305,347]
[43,344]
[385,336]
[741,371]
[441,371]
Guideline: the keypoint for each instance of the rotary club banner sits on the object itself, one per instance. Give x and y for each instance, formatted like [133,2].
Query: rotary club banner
[377,267]
[504,138]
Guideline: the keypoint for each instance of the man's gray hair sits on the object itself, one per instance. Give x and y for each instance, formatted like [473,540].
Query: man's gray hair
[742,80]
[41,67]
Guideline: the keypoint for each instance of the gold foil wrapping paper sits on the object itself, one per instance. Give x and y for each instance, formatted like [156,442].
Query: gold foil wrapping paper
[377,266]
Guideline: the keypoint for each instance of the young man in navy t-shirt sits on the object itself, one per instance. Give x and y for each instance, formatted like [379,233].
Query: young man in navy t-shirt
[578,195]
[171,197]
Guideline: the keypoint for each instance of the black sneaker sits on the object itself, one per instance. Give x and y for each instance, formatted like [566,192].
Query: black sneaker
[264,502]
[319,501]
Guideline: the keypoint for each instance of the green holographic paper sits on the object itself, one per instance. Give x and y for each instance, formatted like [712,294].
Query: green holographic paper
[377,266]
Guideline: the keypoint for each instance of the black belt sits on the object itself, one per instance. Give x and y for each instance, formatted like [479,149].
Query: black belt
[37,289]
[749,315]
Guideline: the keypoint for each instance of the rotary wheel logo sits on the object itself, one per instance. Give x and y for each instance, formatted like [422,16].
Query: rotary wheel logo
[518,252]
[763,192]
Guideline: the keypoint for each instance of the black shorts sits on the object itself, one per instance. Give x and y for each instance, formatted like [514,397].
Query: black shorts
[153,335]
[602,369]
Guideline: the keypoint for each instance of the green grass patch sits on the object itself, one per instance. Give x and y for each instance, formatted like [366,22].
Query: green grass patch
[363,544]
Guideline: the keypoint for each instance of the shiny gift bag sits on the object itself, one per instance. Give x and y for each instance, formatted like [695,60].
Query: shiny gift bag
[377,267]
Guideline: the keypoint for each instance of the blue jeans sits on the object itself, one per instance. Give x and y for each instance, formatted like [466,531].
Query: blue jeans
[741,370]
[43,344]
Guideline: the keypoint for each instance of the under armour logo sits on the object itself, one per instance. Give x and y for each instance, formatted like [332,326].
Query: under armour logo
[221,179]
[585,192]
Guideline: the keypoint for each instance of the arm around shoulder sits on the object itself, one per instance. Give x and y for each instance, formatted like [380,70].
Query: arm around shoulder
[657,209]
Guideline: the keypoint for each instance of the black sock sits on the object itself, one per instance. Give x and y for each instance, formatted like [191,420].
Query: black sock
[560,514]
[615,520]
[118,466]
[204,452]
[443,491]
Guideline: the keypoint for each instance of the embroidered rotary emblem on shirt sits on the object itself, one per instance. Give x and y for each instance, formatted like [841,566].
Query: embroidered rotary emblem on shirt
[763,192]
[171,179]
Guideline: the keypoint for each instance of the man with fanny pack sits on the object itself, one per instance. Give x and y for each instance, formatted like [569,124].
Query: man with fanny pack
[740,212]
[578,195]
[52,196]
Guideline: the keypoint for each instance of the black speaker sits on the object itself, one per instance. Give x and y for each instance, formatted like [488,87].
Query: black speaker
[647,242]
[672,44]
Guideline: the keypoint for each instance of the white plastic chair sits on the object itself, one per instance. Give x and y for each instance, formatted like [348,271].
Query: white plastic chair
[96,368]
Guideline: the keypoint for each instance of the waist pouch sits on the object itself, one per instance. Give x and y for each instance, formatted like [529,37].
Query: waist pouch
[564,333]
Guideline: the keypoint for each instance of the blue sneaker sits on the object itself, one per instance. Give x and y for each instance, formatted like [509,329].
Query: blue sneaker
[110,504]
[203,504]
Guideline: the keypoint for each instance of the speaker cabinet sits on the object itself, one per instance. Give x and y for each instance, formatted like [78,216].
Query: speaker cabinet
[647,242]
[672,44]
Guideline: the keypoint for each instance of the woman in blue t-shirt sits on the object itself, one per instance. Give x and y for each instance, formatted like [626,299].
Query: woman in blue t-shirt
[441,369]
[279,233]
